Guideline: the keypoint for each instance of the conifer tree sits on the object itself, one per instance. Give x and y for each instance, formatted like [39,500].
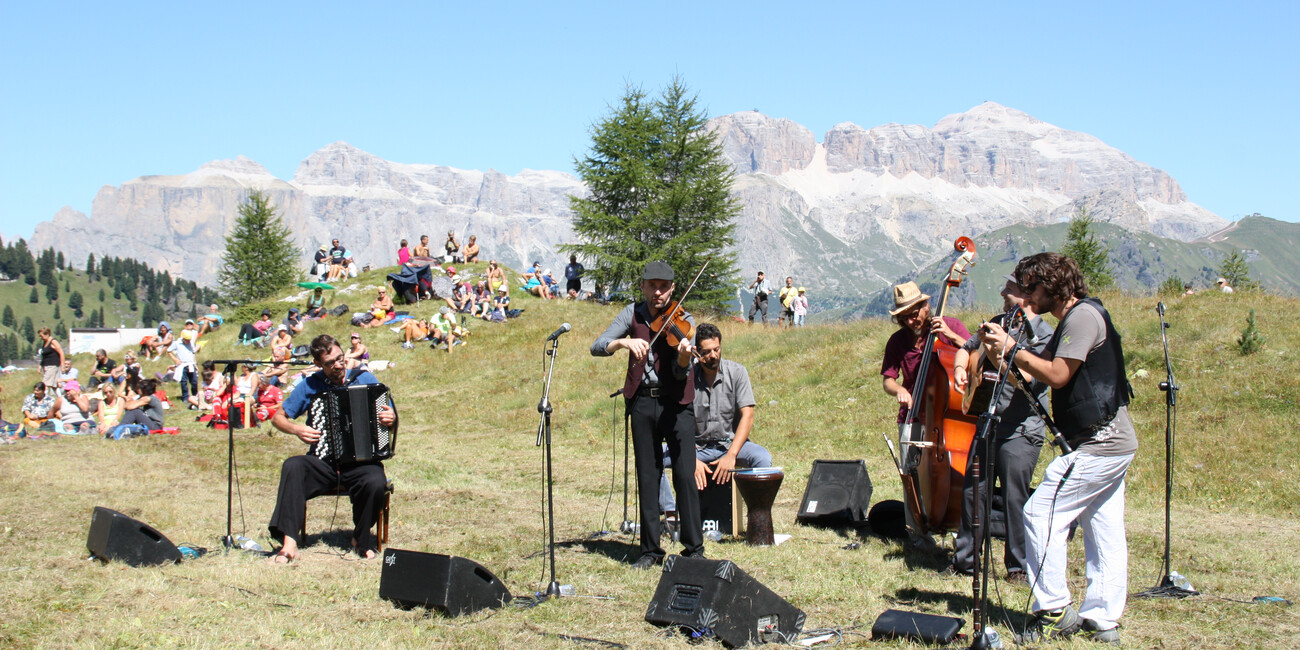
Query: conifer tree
[58,260]
[60,330]
[90,267]
[29,330]
[75,302]
[34,298]
[8,318]
[56,312]
[101,294]
[660,189]
[1236,270]
[260,257]
[1088,252]
[52,293]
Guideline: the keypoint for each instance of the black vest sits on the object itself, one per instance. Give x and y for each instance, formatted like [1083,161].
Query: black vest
[1094,394]
[682,392]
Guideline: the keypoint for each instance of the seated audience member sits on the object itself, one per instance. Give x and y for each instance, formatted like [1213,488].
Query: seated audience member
[316,304]
[110,409]
[267,401]
[293,321]
[496,276]
[211,321]
[214,385]
[152,347]
[451,248]
[40,408]
[443,328]
[471,250]
[274,373]
[281,343]
[128,373]
[357,354]
[147,409]
[501,305]
[381,308]
[257,331]
[482,300]
[67,374]
[421,252]
[403,254]
[551,283]
[336,254]
[245,386]
[413,331]
[533,284]
[321,263]
[462,295]
[75,412]
[103,372]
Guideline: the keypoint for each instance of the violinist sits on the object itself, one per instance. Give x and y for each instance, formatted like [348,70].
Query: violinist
[658,392]
[903,350]
[1016,443]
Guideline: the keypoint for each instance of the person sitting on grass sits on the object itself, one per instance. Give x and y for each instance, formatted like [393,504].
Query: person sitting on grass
[267,401]
[496,276]
[75,411]
[214,384]
[293,321]
[442,327]
[277,369]
[471,250]
[110,409]
[128,374]
[210,321]
[482,300]
[533,284]
[403,254]
[152,347]
[501,305]
[103,372]
[451,248]
[281,342]
[413,331]
[145,410]
[40,410]
[67,374]
[381,309]
[255,332]
[316,304]
[358,354]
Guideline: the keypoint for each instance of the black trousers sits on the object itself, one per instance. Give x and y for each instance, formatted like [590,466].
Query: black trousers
[247,333]
[759,304]
[1016,459]
[304,477]
[656,422]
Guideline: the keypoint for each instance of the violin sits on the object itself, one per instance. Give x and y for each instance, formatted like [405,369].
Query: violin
[671,323]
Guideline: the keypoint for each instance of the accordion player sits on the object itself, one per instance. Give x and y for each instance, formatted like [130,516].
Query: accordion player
[348,420]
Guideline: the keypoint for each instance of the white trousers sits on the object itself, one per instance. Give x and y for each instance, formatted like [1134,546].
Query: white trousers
[1089,489]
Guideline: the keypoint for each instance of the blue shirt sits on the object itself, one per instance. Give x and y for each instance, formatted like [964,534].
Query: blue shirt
[301,396]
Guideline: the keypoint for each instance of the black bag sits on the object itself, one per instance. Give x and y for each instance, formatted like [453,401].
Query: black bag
[339,311]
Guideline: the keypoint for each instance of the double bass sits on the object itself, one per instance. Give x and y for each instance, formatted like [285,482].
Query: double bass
[935,437]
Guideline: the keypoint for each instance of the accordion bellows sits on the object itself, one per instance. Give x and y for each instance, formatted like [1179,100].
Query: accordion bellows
[348,419]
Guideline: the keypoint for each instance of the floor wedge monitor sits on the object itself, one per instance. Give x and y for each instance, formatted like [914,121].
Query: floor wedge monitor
[446,583]
[838,494]
[115,536]
[715,595]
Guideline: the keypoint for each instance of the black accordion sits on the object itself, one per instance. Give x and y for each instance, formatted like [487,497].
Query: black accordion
[348,420]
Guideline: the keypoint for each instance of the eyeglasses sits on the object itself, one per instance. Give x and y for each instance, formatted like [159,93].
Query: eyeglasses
[336,361]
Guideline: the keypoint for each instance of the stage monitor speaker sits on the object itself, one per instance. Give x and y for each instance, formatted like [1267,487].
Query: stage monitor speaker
[717,595]
[452,585]
[838,493]
[115,536]
[928,628]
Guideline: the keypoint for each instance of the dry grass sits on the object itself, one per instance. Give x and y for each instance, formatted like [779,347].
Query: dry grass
[468,478]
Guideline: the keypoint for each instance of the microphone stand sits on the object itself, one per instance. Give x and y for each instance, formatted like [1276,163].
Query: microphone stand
[544,433]
[1167,587]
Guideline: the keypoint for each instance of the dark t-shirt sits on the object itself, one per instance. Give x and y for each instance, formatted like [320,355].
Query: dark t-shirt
[106,367]
[902,357]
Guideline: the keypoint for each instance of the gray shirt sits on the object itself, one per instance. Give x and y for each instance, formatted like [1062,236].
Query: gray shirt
[717,406]
[622,328]
[762,288]
[1084,332]
[1018,419]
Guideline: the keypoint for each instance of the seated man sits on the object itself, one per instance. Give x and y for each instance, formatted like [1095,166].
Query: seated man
[724,415]
[145,410]
[103,372]
[211,321]
[41,410]
[66,374]
[306,476]
[320,263]
[471,250]
[442,329]
[293,322]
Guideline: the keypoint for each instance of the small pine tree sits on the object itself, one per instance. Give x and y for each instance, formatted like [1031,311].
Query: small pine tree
[56,311]
[8,319]
[1236,270]
[1172,286]
[35,297]
[90,267]
[60,330]
[75,303]
[101,294]
[29,330]
[1251,340]
[1088,252]
[260,257]
[52,293]
[58,260]
[30,278]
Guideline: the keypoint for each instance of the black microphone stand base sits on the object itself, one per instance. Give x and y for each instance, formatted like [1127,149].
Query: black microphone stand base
[1167,589]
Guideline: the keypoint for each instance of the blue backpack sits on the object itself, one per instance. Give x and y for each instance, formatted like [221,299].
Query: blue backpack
[122,431]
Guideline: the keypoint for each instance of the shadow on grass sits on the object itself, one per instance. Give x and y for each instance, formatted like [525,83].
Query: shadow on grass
[963,605]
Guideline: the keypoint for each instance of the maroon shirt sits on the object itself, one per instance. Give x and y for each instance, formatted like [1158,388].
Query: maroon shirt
[902,357]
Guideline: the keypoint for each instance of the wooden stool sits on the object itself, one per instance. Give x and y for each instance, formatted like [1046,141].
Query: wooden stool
[381,526]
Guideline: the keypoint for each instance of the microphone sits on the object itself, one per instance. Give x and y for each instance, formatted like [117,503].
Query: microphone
[1160,308]
[556,334]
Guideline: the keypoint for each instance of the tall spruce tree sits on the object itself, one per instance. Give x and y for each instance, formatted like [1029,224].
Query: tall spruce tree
[1088,252]
[260,257]
[8,318]
[29,330]
[660,189]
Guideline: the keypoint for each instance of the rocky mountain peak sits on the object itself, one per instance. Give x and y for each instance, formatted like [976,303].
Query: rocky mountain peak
[756,143]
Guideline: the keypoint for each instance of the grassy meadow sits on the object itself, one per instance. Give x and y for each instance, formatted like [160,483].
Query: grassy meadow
[468,481]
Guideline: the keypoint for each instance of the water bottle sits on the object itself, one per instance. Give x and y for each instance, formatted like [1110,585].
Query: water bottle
[1180,581]
[713,536]
[249,544]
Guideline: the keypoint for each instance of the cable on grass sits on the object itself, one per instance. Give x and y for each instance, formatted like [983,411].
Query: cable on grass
[240,589]
[584,639]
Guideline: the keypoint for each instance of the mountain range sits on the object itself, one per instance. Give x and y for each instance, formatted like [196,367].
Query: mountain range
[845,216]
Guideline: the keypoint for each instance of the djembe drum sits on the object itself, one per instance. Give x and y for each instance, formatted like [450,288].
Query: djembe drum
[758,486]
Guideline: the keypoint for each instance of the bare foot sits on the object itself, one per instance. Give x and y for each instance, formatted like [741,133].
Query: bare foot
[287,553]
[363,552]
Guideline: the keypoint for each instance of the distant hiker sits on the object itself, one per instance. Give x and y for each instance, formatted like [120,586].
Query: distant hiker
[573,277]
[787,296]
[761,288]
[800,307]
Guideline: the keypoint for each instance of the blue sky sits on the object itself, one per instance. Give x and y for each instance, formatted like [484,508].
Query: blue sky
[100,93]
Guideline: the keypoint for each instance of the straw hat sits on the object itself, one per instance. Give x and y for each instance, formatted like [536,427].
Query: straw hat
[906,296]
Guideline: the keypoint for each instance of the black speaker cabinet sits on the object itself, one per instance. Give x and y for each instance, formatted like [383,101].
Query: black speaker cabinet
[452,585]
[838,493]
[115,536]
[928,628]
[717,595]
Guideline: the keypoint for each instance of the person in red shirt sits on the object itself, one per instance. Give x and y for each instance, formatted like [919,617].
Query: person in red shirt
[904,348]
[268,401]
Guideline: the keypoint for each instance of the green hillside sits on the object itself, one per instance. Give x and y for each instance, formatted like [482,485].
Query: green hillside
[1139,261]
[468,483]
